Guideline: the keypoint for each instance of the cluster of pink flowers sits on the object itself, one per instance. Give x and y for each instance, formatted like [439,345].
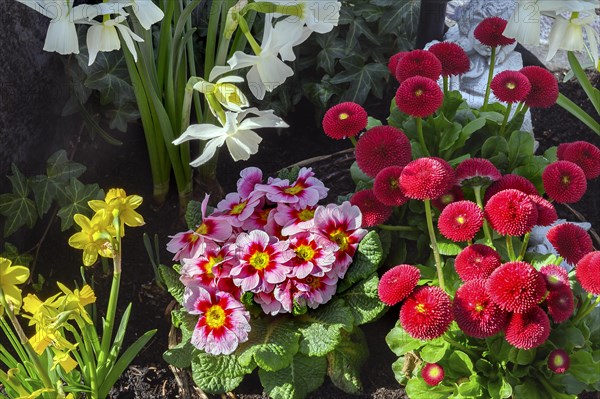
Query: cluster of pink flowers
[270,239]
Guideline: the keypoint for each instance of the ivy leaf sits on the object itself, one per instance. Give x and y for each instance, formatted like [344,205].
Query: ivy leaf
[16,206]
[11,252]
[362,78]
[75,199]
[109,75]
[367,259]
[44,192]
[272,344]
[345,361]
[60,169]
[171,279]
[304,375]
[120,117]
[218,374]
[403,14]
[332,49]
[400,342]
[321,93]
[364,301]
[322,329]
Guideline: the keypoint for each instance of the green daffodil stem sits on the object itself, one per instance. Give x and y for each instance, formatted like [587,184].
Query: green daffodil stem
[397,228]
[445,80]
[524,246]
[486,227]
[434,247]
[424,149]
[510,249]
[244,27]
[216,106]
[486,99]
[352,140]
[505,121]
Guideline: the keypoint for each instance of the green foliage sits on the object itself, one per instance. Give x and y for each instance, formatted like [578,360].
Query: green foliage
[218,374]
[303,375]
[33,197]
[345,361]
[171,280]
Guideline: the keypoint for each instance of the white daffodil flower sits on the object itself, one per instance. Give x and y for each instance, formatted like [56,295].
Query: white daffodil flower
[267,70]
[61,36]
[524,23]
[103,36]
[225,91]
[567,34]
[237,133]
[319,15]
[290,34]
[146,11]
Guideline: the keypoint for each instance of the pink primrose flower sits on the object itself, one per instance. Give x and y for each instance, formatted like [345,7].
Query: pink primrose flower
[307,190]
[235,209]
[294,219]
[314,255]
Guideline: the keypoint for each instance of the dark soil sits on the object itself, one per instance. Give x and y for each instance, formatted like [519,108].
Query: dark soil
[127,166]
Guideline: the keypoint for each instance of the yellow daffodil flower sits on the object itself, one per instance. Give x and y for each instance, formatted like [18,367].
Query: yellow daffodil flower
[36,394]
[225,92]
[77,300]
[94,237]
[50,336]
[10,276]
[117,199]
[64,360]
[41,312]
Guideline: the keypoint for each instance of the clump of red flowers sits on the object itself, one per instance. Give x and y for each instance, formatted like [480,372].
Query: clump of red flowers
[427,178]
[418,63]
[489,32]
[516,286]
[373,211]
[528,330]
[460,221]
[588,272]
[419,96]
[477,172]
[387,186]
[511,212]
[583,154]
[397,283]
[510,86]
[426,313]
[564,182]
[544,87]
[474,311]
[453,57]
[380,147]
[344,120]
[393,62]
[560,303]
[432,374]
[545,210]
[511,181]
[477,261]
[570,241]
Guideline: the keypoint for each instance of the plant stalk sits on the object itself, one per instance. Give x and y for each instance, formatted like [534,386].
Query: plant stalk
[434,247]
[424,149]
[486,227]
[489,81]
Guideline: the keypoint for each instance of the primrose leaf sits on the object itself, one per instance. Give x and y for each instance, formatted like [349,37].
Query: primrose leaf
[180,355]
[218,374]
[345,361]
[193,214]
[364,301]
[303,375]
[322,329]
[366,260]
[171,279]
[75,200]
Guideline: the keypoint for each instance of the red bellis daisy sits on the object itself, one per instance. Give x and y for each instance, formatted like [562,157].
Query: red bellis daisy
[528,330]
[419,97]
[427,178]
[432,374]
[511,181]
[373,211]
[546,211]
[511,212]
[559,361]
[477,261]
[397,283]
[426,313]
[386,186]
[588,272]
[560,303]
[455,194]
[544,87]
[510,86]
[418,63]
[344,120]
[460,221]
[380,147]
[477,172]
[393,62]
[489,32]
[516,286]
[454,59]
[555,276]
[570,241]
[564,182]
[475,313]
[583,154]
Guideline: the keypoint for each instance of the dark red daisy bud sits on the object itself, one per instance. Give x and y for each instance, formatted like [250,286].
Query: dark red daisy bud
[454,59]
[460,221]
[511,213]
[511,181]
[570,241]
[546,211]
[516,286]
[489,32]
[588,272]
[510,86]
[555,276]
[426,313]
[387,186]
[393,62]
[477,172]
[418,63]
[564,182]
[427,178]
[397,283]
[475,313]
[559,361]
[419,96]
[455,194]
[544,87]
[583,154]
[380,147]
[476,261]
[560,303]
[373,211]
[432,373]
[344,120]
[528,330]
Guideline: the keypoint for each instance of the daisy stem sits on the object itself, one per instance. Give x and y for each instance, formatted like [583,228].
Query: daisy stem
[486,227]
[460,346]
[490,77]
[510,249]
[505,121]
[524,246]
[587,308]
[419,123]
[397,228]
[434,247]
[445,80]
[353,140]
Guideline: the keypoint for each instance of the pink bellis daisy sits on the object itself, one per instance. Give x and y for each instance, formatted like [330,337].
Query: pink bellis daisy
[263,261]
[307,190]
[583,154]
[516,286]
[559,361]
[588,272]
[546,211]
[511,212]
[572,242]
[380,147]
[344,120]
[560,303]
[460,221]
[555,276]
[223,321]
[475,313]
[489,32]
[419,97]
[418,63]
[454,59]
[528,330]
[393,62]
[432,374]
[427,178]
[426,313]
[510,86]
[477,261]
[564,182]
[373,211]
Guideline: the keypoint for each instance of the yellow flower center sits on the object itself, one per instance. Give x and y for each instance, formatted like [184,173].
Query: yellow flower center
[558,361]
[239,208]
[212,261]
[418,92]
[447,198]
[264,215]
[394,183]
[313,282]
[215,316]
[259,260]
[295,189]
[234,98]
[343,116]
[434,372]
[306,214]
[421,308]
[202,230]
[479,307]
[305,252]
[565,180]
[511,85]
[461,220]
[340,238]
